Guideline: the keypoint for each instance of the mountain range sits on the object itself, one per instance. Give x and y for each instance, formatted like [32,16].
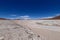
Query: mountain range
[53,18]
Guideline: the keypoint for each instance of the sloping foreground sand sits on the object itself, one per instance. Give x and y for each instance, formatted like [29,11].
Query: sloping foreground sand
[12,31]
[45,33]
[48,34]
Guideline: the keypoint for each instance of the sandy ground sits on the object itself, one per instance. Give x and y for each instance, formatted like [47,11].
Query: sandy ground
[48,32]
[9,30]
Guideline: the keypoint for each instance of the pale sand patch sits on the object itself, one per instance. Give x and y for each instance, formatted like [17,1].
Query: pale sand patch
[45,33]
[48,34]
[9,30]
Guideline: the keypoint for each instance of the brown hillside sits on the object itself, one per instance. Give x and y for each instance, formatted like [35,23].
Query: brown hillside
[54,18]
[3,19]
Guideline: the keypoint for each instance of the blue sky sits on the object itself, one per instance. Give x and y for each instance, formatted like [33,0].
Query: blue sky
[32,8]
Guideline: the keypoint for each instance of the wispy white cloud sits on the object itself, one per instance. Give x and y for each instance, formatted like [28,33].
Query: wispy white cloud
[24,17]
[47,17]
[11,18]
[57,14]
[28,17]
[50,16]
[13,15]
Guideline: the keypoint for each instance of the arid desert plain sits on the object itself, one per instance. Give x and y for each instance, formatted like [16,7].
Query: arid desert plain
[47,29]
[29,29]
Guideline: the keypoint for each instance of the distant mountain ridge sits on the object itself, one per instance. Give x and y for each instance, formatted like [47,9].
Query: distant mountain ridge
[3,19]
[56,17]
[53,18]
